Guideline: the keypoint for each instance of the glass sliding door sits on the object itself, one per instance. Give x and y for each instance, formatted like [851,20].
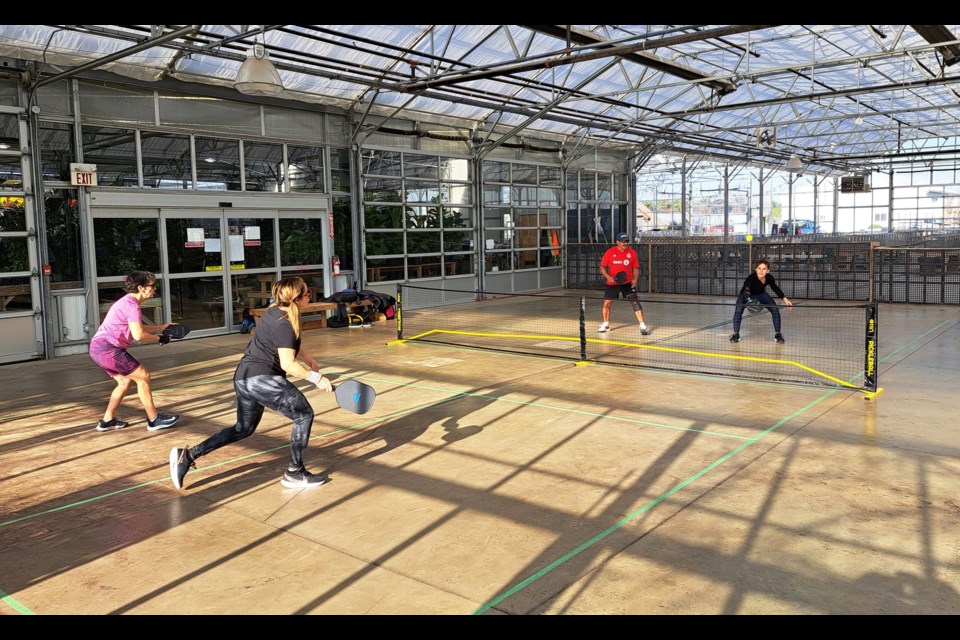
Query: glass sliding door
[198,267]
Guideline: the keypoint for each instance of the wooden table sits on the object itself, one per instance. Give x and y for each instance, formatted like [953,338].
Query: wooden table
[153,303]
[315,308]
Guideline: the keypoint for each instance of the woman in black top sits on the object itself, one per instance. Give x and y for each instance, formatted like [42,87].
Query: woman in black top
[755,287]
[261,381]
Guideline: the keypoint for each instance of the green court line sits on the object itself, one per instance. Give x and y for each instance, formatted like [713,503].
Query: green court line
[384,418]
[542,572]
[15,604]
[910,343]
[164,479]
[642,510]
[647,507]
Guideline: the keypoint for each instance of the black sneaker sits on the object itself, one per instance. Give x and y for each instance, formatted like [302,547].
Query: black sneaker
[779,338]
[735,337]
[302,479]
[111,424]
[162,421]
[180,462]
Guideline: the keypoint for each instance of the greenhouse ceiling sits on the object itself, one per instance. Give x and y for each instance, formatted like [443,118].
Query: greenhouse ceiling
[843,98]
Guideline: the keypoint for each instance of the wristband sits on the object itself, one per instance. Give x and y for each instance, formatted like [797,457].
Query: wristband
[314,377]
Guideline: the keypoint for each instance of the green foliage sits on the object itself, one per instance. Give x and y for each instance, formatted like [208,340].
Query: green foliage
[422,231]
[13,251]
[301,246]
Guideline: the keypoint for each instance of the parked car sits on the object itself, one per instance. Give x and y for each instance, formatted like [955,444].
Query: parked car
[798,227]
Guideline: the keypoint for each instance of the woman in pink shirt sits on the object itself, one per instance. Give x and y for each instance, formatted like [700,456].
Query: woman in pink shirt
[108,348]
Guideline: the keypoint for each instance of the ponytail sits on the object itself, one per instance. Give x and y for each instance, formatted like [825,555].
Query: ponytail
[285,294]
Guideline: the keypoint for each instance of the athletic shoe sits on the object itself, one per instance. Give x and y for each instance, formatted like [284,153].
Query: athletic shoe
[735,337]
[162,421]
[604,326]
[302,479]
[180,462]
[112,424]
[644,331]
[779,338]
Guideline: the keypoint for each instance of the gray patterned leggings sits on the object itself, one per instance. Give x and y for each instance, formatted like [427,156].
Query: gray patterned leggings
[253,395]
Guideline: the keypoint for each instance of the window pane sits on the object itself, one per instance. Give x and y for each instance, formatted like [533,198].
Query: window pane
[383,217]
[264,166]
[166,161]
[524,173]
[456,169]
[420,166]
[114,151]
[423,242]
[382,163]
[218,164]
[63,235]
[56,150]
[457,193]
[186,255]
[13,254]
[123,245]
[11,173]
[251,243]
[421,191]
[384,244]
[496,172]
[306,168]
[339,170]
[381,189]
[550,176]
[13,217]
[300,242]
[343,231]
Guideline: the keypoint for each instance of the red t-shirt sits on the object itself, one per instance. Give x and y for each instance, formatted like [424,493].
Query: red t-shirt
[616,261]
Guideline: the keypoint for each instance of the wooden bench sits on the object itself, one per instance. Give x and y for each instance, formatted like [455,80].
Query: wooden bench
[316,308]
[10,291]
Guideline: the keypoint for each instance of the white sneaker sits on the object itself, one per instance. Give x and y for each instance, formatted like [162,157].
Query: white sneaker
[604,326]
[644,330]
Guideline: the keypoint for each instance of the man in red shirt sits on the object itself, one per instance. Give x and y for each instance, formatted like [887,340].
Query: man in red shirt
[620,268]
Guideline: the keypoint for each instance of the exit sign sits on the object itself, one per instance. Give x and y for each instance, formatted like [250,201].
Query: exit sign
[83,175]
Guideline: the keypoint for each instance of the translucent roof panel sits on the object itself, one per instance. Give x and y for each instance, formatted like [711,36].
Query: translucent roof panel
[842,97]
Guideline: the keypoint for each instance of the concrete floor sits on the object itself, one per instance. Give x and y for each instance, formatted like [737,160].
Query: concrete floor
[486,483]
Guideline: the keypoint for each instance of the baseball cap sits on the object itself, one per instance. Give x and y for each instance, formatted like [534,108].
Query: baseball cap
[623,237]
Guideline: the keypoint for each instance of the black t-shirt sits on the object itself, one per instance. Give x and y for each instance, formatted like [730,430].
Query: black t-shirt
[262,357]
[753,285]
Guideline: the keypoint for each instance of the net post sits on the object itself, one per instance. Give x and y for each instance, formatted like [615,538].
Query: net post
[583,329]
[399,311]
[870,356]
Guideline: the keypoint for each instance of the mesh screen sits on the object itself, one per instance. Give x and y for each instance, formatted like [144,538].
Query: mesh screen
[825,344]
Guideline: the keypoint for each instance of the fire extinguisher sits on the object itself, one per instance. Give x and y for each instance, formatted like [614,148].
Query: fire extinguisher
[336,266]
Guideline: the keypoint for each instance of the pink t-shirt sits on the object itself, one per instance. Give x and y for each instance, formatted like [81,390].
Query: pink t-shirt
[115,327]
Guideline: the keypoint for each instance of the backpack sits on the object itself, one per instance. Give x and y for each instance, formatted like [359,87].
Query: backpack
[347,295]
[247,323]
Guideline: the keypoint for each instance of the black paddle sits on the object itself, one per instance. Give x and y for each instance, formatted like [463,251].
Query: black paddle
[177,331]
[355,396]
[174,331]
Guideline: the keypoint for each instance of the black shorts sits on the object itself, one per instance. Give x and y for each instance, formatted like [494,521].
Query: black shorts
[616,291]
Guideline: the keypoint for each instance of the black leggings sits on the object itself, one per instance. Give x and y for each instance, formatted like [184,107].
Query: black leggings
[764,299]
[272,392]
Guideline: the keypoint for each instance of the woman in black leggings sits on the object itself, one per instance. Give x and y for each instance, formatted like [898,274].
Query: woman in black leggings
[261,382]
